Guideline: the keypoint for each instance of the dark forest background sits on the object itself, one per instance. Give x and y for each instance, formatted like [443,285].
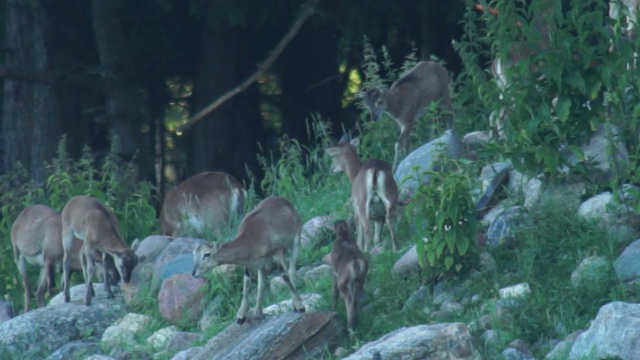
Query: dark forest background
[95,69]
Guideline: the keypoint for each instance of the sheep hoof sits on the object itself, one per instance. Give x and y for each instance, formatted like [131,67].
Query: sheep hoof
[301,310]
[241,320]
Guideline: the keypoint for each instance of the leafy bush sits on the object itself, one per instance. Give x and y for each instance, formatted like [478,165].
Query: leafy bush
[446,216]
[561,88]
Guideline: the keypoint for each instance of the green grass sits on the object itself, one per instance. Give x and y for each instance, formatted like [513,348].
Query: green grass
[548,249]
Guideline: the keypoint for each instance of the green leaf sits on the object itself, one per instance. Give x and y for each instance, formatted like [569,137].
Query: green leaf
[463,246]
[448,262]
[420,244]
[431,257]
[562,109]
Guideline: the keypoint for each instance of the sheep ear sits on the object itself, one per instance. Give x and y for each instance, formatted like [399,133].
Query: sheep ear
[355,142]
[135,244]
[331,151]
[344,139]
[360,94]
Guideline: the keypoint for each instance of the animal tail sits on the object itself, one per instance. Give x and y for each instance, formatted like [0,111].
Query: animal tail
[375,179]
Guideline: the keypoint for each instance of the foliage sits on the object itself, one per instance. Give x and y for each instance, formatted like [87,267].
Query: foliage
[447,219]
[559,85]
[111,181]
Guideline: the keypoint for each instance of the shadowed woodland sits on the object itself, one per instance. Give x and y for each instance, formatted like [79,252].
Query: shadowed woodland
[92,70]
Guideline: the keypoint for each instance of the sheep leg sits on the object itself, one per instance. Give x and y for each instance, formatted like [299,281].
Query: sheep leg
[244,305]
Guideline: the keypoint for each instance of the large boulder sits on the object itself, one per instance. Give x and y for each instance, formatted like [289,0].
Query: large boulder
[181,298]
[79,349]
[606,151]
[592,272]
[614,334]
[525,187]
[152,246]
[408,263]
[36,334]
[598,207]
[176,258]
[452,341]
[627,265]
[424,158]
[77,294]
[492,177]
[501,232]
[315,231]
[298,336]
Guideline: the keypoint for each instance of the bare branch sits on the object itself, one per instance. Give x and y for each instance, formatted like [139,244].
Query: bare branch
[307,11]
[321,83]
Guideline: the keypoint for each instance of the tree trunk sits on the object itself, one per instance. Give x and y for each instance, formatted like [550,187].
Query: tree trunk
[226,139]
[314,84]
[123,102]
[30,121]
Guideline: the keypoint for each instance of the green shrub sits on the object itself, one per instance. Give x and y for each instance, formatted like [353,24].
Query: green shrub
[446,218]
[581,86]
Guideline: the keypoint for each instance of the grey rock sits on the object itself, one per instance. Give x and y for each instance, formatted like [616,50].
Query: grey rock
[182,340]
[187,354]
[475,141]
[115,335]
[417,300]
[491,178]
[438,341]
[299,336]
[320,272]
[561,349]
[598,207]
[160,339]
[99,357]
[408,263]
[424,158]
[514,354]
[181,297]
[39,332]
[311,302]
[76,350]
[501,230]
[622,234]
[78,292]
[151,247]
[525,188]
[627,265]
[606,151]
[316,230]
[615,333]
[590,272]
[522,347]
